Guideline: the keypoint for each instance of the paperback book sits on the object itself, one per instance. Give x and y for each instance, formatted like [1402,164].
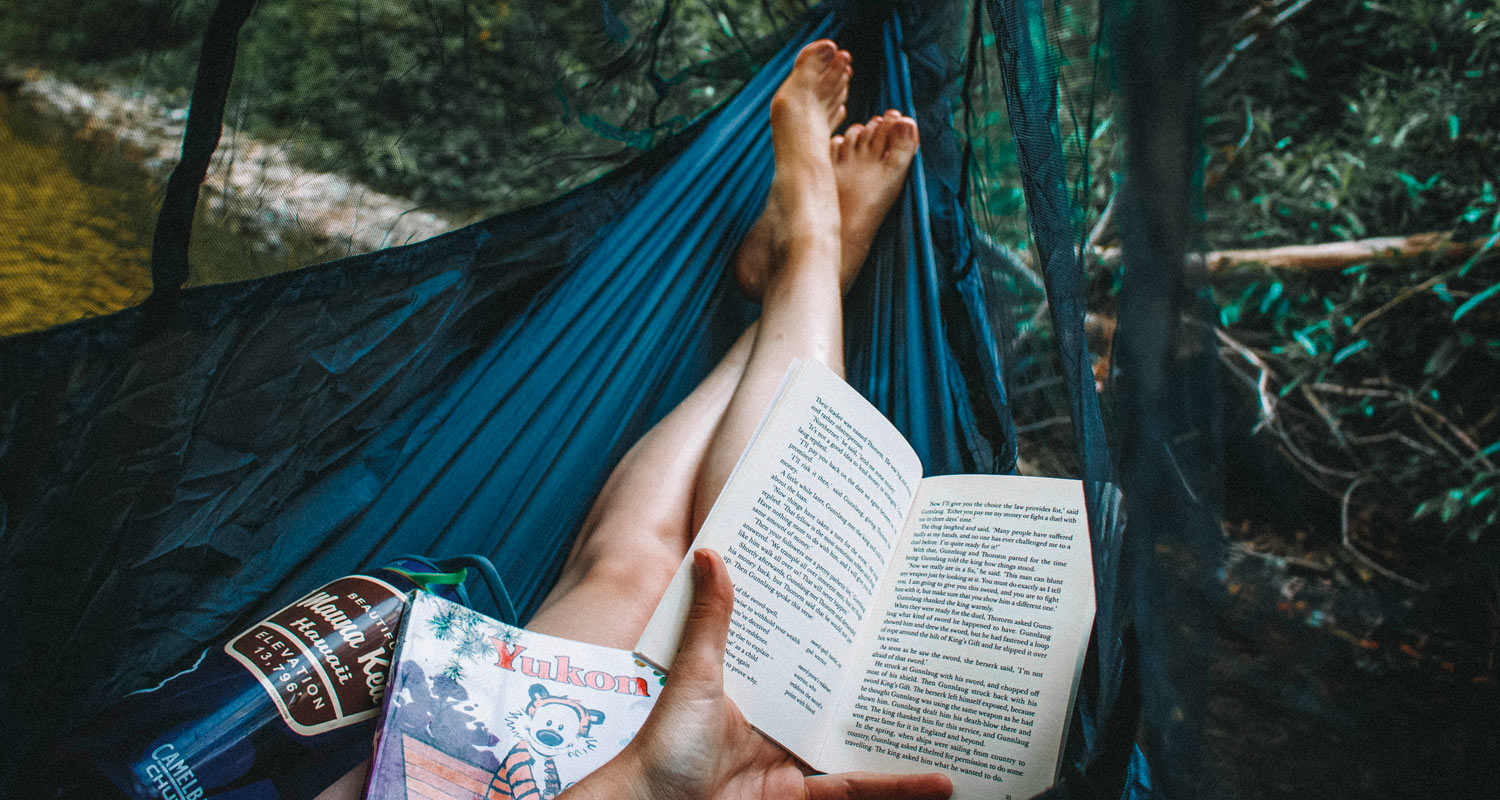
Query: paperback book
[890,622]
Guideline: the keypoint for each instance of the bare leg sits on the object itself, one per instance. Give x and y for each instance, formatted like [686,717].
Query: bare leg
[802,312]
[644,520]
[635,535]
[639,527]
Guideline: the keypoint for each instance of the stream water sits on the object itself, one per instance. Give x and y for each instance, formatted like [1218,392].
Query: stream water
[74,228]
[76,218]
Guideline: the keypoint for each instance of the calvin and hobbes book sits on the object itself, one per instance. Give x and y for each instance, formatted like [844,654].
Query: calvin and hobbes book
[885,621]
[478,709]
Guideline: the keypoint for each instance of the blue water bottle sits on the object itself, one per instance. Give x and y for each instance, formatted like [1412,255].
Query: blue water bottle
[278,712]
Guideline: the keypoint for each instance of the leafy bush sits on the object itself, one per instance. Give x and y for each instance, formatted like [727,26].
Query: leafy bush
[469,107]
[1352,120]
[97,30]
[1355,119]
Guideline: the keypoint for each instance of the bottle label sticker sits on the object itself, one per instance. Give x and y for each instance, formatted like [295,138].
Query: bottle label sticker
[325,659]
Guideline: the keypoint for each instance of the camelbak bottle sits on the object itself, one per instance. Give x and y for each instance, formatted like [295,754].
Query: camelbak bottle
[280,711]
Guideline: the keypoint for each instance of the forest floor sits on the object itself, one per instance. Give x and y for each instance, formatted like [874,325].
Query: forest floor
[1332,681]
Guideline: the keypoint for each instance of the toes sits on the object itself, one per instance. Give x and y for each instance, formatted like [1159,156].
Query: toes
[836,148]
[872,134]
[902,144]
[903,137]
[834,79]
[817,55]
[837,111]
[837,117]
[852,137]
[882,135]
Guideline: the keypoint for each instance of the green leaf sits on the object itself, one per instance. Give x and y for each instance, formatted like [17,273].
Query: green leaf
[1474,301]
[1415,187]
[1272,295]
[1289,386]
[1452,506]
[1307,344]
[1350,350]
[1452,126]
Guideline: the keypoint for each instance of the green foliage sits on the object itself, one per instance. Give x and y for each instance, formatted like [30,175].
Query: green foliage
[1352,120]
[1085,108]
[97,30]
[466,106]
[482,105]
[1372,379]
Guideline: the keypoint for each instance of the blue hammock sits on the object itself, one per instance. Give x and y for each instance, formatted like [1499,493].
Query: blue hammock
[170,473]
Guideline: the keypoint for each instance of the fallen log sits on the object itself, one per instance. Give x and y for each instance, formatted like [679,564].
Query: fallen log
[1330,255]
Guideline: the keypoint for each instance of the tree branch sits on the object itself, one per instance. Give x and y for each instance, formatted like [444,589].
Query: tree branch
[1330,255]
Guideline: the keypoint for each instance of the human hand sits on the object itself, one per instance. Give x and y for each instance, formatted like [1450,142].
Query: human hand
[696,744]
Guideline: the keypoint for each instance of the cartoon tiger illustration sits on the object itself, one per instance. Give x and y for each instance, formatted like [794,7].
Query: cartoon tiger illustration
[551,726]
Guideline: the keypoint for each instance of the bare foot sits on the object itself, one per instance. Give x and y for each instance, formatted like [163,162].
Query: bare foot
[870,166]
[806,109]
[803,197]
[870,162]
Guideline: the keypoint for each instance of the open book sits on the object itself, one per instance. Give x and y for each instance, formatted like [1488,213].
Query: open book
[886,621]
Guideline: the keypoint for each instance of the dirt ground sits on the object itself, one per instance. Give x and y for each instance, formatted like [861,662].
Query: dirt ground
[1331,681]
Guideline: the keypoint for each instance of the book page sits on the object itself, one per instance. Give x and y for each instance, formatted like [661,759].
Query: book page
[807,524]
[973,656]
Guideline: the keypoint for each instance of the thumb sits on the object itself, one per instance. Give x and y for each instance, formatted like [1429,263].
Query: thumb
[701,656]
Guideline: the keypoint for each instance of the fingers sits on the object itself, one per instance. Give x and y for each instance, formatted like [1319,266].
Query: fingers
[701,657]
[872,785]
